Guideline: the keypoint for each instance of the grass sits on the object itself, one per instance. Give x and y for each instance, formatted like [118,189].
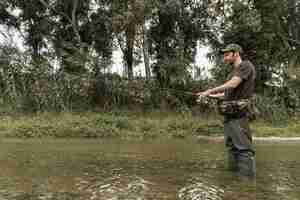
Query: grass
[266,129]
[128,125]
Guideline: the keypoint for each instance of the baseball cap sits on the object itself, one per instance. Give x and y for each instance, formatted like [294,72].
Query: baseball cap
[232,47]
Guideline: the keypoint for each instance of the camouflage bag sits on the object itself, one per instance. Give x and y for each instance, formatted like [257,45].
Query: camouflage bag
[235,107]
[253,112]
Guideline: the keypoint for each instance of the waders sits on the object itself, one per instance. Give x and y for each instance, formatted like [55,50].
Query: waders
[238,141]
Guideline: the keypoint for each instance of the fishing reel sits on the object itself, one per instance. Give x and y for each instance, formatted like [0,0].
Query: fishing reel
[202,99]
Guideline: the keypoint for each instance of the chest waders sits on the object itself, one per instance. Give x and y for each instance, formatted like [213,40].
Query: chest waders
[238,142]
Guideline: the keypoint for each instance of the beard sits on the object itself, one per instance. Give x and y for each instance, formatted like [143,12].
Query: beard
[229,62]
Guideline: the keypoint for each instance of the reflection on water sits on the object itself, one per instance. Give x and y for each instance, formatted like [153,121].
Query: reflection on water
[120,170]
[116,187]
[201,190]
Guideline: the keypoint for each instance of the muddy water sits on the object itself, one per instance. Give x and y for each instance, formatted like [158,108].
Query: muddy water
[142,170]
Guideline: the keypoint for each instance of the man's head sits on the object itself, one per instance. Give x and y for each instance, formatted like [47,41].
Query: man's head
[231,53]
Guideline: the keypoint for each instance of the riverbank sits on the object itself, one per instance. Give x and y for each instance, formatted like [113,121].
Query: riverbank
[131,125]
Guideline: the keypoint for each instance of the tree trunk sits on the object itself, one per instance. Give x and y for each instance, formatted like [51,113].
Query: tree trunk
[130,37]
[146,52]
[293,67]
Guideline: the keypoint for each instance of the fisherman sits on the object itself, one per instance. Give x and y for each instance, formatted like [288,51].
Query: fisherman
[236,93]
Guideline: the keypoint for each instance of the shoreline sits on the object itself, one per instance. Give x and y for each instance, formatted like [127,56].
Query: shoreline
[213,139]
[258,139]
[133,125]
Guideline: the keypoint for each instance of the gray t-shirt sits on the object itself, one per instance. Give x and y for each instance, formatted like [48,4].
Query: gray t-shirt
[245,90]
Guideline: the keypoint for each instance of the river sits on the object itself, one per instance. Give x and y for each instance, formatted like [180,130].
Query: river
[142,170]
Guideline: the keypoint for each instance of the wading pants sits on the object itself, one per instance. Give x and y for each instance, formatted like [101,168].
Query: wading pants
[238,142]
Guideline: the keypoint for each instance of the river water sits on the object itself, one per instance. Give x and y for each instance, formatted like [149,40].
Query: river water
[142,170]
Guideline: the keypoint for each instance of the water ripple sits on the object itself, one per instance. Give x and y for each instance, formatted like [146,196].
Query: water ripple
[201,191]
[115,188]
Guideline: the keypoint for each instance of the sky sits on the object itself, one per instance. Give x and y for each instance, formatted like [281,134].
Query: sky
[10,36]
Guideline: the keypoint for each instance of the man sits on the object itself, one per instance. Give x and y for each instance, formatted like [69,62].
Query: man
[240,87]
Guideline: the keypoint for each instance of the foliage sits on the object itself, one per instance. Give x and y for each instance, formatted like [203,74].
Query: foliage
[175,28]
[125,125]
[69,45]
[269,34]
[128,125]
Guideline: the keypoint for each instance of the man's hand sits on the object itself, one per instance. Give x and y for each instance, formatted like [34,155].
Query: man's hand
[217,96]
[232,83]
[204,94]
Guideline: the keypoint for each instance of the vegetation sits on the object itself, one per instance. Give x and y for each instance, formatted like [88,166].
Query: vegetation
[127,125]
[68,48]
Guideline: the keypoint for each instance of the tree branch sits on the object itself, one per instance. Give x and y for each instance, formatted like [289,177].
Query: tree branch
[74,24]
[61,13]
[3,34]
[72,20]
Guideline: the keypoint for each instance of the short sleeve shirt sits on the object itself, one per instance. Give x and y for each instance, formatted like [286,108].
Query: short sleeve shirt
[245,90]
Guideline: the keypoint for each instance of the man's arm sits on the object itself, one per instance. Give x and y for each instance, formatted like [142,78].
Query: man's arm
[217,95]
[232,83]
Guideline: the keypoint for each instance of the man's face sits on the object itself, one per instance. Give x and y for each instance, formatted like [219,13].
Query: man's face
[229,57]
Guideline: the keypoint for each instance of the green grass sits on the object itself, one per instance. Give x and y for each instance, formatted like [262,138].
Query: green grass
[265,129]
[128,125]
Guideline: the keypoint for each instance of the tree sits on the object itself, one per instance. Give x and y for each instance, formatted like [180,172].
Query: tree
[176,26]
[128,18]
[265,29]
[5,17]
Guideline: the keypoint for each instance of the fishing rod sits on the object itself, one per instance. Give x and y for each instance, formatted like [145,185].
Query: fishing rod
[159,88]
[180,91]
[192,93]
